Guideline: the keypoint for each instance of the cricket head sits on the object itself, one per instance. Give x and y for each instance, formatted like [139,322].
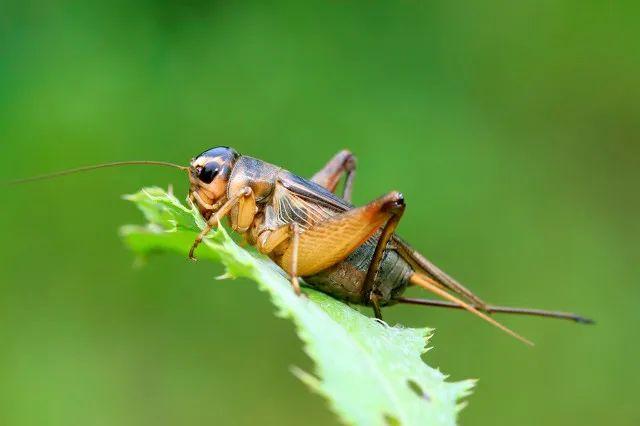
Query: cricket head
[209,175]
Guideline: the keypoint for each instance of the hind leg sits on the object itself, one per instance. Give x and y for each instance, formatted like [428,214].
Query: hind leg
[343,162]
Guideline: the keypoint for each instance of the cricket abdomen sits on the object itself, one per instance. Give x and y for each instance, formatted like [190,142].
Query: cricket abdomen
[345,280]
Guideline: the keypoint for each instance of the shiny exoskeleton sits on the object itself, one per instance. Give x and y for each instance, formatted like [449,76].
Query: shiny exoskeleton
[279,199]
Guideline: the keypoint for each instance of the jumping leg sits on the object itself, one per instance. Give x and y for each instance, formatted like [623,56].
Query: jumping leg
[395,207]
[330,241]
[343,162]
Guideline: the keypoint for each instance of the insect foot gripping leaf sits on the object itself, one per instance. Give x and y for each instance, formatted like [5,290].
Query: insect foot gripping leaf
[369,372]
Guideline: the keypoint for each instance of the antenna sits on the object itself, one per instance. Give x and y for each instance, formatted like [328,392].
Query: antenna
[94,167]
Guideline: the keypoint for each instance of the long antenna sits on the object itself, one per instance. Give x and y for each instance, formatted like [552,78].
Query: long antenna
[95,167]
[498,309]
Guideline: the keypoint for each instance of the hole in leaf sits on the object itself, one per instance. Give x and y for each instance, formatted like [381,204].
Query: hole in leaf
[418,390]
[391,421]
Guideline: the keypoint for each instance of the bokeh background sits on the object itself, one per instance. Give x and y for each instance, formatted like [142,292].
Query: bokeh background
[511,127]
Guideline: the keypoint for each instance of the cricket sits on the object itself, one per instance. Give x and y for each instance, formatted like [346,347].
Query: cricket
[350,253]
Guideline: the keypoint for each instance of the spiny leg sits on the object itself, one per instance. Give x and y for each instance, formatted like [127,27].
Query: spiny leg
[432,286]
[329,176]
[395,207]
[214,220]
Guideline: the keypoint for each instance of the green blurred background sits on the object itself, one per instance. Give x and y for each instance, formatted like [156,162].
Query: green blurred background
[511,127]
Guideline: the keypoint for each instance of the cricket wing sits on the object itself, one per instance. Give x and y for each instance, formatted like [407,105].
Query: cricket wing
[298,200]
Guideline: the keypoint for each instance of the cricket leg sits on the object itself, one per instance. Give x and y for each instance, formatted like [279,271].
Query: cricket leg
[214,220]
[343,162]
[270,240]
[434,287]
[295,245]
[395,209]
[422,265]
[374,299]
[198,201]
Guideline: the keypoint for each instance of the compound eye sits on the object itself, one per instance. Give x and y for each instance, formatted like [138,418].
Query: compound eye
[208,173]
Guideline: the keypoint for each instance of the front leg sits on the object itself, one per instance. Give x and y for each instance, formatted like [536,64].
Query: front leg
[244,194]
[343,162]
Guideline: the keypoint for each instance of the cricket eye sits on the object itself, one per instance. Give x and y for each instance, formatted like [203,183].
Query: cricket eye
[208,173]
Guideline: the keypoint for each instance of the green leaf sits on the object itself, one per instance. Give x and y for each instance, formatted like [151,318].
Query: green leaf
[369,372]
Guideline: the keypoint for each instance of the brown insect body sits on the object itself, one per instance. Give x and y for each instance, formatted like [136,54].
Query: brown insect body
[282,198]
